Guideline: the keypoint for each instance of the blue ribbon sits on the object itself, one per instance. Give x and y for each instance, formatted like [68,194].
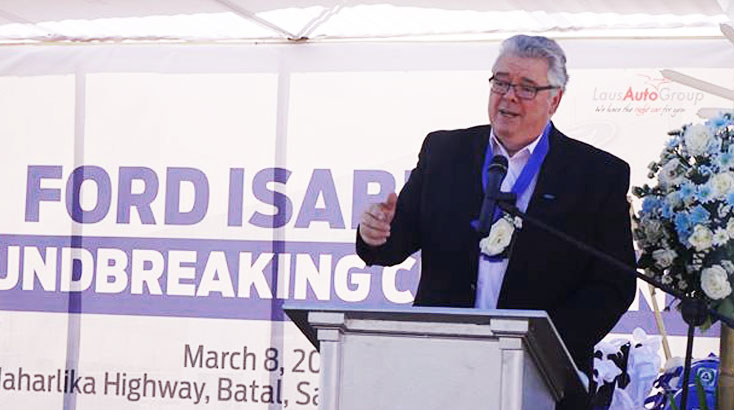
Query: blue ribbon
[526,176]
[528,172]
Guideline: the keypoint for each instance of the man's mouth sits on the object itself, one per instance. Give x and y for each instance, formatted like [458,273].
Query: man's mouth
[508,114]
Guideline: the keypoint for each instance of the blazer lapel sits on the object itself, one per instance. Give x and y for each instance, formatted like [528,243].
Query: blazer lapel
[478,151]
[551,174]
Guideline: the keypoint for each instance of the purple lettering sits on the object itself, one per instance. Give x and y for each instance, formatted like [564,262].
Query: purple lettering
[73,189]
[126,199]
[35,194]
[282,204]
[236,185]
[321,184]
[174,178]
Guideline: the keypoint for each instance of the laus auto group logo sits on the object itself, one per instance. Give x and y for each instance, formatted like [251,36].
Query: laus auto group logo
[646,96]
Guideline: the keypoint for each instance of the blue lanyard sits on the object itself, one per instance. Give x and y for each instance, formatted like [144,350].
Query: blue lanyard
[528,172]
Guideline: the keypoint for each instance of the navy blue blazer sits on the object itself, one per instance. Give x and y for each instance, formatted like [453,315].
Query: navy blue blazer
[581,191]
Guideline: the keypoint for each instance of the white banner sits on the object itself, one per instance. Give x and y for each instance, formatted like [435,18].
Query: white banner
[161,203]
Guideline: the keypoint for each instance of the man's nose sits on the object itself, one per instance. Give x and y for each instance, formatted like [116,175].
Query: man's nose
[507,94]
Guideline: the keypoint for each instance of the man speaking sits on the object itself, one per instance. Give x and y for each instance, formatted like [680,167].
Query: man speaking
[572,186]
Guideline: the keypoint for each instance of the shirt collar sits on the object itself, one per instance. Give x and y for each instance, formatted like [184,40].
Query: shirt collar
[497,147]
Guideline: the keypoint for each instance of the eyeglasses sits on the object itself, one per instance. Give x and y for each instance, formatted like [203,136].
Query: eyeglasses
[523,91]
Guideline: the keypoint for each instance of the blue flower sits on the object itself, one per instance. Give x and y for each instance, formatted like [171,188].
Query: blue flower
[714,146]
[650,204]
[667,211]
[704,193]
[673,198]
[730,198]
[699,215]
[683,226]
[705,170]
[716,122]
[687,190]
[725,159]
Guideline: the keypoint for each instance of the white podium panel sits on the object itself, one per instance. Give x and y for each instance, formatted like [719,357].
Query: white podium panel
[437,358]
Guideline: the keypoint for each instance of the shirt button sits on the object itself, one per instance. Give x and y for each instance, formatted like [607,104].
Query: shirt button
[473,286]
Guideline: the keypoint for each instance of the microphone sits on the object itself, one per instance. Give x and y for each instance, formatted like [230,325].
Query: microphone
[495,175]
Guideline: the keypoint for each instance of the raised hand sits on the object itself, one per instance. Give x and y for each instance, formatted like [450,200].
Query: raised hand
[374,226]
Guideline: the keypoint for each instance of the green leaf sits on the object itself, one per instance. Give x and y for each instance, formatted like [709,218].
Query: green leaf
[701,393]
[706,325]
[726,308]
[673,406]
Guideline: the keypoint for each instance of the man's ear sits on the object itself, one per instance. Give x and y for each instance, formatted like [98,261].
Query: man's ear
[555,101]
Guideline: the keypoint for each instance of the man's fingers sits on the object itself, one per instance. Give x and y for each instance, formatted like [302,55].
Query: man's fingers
[392,201]
[381,212]
[376,212]
[374,226]
[371,236]
[389,206]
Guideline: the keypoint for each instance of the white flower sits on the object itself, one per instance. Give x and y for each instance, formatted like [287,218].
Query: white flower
[726,264]
[517,222]
[606,370]
[722,184]
[724,210]
[702,238]
[652,230]
[673,363]
[498,239]
[692,269]
[697,139]
[664,257]
[671,366]
[682,285]
[670,173]
[666,279]
[715,282]
[730,228]
[721,237]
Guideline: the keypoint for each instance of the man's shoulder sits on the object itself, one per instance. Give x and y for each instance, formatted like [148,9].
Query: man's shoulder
[479,131]
[589,156]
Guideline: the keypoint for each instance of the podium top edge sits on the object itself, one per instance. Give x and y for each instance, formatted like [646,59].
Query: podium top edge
[454,312]
[298,313]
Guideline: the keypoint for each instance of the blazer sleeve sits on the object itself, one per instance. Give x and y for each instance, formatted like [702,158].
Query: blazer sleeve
[605,293]
[405,235]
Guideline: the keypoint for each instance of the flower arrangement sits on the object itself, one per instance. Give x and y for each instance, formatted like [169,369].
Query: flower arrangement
[685,230]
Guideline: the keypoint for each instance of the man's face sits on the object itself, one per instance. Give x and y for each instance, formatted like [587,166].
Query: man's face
[516,122]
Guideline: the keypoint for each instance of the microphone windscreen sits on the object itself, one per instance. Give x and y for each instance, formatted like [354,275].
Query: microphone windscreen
[498,161]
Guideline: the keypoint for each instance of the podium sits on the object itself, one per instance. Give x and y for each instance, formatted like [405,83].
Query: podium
[436,358]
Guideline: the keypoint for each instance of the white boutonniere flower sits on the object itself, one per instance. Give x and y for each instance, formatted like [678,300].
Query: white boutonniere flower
[500,236]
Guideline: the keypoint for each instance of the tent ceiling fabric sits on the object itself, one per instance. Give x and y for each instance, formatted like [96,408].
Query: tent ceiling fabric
[23,21]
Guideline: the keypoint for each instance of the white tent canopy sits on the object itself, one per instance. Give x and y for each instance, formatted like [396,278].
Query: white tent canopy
[23,21]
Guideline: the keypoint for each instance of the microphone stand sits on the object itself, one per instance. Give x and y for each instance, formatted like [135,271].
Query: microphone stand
[693,310]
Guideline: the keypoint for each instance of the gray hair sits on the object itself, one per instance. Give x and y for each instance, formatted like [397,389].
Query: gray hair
[539,47]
